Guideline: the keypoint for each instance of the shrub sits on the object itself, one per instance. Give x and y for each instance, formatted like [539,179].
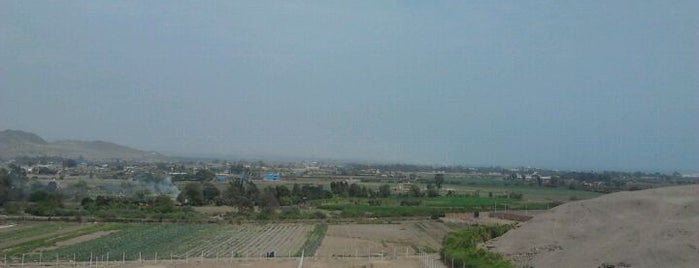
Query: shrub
[461,247]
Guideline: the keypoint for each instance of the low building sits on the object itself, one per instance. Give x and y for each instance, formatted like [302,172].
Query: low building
[271,177]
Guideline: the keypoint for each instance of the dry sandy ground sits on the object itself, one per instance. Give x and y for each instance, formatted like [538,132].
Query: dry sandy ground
[7,226]
[386,239]
[650,228]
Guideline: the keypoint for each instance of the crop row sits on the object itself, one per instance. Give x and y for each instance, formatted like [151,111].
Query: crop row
[134,241]
[254,240]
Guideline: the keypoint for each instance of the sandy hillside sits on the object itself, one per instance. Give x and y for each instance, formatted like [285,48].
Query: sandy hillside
[650,228]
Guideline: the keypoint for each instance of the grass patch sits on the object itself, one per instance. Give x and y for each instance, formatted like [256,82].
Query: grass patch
[460,248]
[314,239]
[32,230]
[425,206]
[30,246]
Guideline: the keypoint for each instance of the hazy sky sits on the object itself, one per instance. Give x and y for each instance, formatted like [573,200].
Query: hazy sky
[558,84]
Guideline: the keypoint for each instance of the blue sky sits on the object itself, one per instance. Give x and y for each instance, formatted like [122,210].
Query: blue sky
[558,84]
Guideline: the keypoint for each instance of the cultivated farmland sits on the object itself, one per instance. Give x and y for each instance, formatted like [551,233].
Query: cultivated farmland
[177,241]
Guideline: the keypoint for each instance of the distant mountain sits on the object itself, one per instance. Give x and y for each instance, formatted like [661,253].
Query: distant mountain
[15,143]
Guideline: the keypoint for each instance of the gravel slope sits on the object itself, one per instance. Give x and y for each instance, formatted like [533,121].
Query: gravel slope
[649,228]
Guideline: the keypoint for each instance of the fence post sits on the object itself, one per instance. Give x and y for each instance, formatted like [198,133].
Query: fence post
[156,257]
[123,258]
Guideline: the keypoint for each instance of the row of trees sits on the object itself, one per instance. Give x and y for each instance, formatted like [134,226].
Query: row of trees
[246,196]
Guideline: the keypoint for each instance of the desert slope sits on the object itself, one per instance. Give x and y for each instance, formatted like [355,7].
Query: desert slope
[650,228]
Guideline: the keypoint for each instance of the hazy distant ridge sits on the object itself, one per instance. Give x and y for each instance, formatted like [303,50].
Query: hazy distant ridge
[15,143]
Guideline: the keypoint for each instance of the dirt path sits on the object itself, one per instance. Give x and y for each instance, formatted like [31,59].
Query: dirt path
[7,226]
[77,240]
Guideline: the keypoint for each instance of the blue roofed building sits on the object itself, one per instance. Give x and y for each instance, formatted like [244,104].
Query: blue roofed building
[271,177]
[221,177]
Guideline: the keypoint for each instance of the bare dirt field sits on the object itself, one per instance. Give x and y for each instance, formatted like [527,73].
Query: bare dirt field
[649,228]
[215,210]
[381,239]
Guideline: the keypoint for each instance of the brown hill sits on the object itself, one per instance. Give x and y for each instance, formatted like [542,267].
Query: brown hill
[16,143]
[650,228]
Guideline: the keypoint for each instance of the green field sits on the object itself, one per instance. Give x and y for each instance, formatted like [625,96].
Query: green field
[121,241]
[130,240]
[428,206]
[501,187]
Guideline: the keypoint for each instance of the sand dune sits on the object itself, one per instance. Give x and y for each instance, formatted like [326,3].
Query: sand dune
[650,228]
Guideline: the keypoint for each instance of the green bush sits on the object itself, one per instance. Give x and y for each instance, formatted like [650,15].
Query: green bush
[461,247]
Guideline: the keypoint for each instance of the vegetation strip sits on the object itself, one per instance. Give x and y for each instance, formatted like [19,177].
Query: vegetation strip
[50,241]
[314,240]
[460,249]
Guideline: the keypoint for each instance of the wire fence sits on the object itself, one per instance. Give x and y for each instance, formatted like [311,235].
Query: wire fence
[123,259]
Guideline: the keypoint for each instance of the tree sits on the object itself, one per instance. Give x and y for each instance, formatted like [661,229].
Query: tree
[163,204]
[210,192]
[268,202]
[432,191]
[415,191]
[355,190]
[384,190]
[282,191]
[44,203]
[13,182]
[5,186]
[192,194]
[241,194]
[204,175]
[439,180]
[296,190]
[340,188]
[79,190]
